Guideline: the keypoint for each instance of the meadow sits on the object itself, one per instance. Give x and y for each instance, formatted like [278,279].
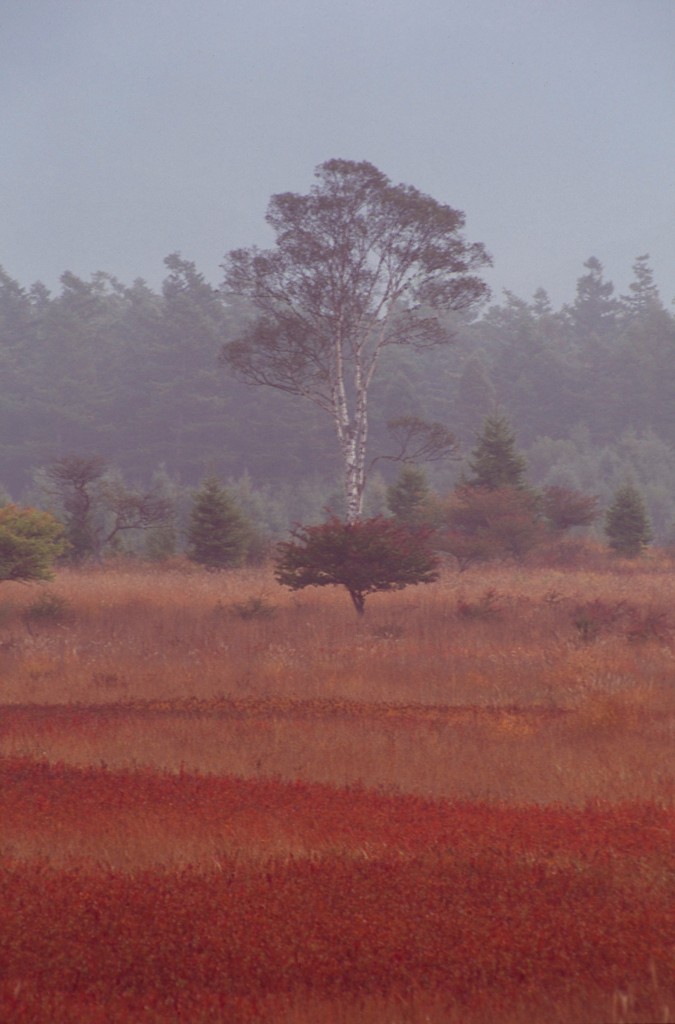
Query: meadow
[223,802]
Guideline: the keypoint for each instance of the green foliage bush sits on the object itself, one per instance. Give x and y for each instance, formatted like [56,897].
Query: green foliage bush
[30,543]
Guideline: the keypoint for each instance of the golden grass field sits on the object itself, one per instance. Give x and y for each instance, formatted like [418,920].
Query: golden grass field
[503,688]
[504,696]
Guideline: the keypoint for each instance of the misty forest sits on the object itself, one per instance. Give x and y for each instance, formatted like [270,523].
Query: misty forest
[133,375]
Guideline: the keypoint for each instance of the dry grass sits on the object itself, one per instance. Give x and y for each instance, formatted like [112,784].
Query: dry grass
[515,686]
[486,685]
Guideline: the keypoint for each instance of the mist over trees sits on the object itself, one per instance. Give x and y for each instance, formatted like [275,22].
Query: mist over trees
[130,374]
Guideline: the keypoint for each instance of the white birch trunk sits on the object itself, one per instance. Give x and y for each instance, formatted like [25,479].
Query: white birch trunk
[352,435]
[351,426]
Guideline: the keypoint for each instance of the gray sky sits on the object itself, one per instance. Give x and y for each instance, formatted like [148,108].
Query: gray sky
[135,128]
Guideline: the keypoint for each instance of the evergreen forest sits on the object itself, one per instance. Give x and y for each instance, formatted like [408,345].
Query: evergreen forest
[133,376]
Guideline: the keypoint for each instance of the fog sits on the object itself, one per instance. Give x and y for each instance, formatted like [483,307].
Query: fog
[132,130]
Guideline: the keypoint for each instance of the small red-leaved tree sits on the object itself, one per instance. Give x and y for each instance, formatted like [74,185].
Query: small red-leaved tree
[480,524]
[564,508]
[366,556]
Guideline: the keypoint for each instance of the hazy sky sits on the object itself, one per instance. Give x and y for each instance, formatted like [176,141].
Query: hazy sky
[135,128]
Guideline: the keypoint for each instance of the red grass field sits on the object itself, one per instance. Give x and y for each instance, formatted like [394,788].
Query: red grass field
[458,810]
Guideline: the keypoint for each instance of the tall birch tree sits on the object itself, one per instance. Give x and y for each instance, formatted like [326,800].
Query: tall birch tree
[359,265]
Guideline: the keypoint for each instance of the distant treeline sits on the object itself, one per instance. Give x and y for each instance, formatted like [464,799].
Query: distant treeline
[132,375]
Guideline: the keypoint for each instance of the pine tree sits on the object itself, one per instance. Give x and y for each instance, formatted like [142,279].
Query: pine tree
[627,524]
[644,294]
[595,309]
[494,461]
[406,497]
[218,533]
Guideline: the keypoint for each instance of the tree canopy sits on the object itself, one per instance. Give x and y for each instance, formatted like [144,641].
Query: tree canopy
[366,556]
[359,265]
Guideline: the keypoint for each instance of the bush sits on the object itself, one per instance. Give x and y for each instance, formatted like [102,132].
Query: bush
[48,608]
[365,557]
[565,508]
[254,608]
[593,618]
[30,543]
[480,524]
[486,607]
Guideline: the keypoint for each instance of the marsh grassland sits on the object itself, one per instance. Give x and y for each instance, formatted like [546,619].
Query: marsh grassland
[221,802]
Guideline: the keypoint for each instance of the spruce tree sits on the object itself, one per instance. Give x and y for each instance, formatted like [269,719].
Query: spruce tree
[218,533]
[406,497]
[494,460]
[627,524]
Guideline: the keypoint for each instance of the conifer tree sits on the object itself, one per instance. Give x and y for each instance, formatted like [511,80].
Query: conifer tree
[494,460]
[627,524]
[218,533]
[406,497]
[644,294]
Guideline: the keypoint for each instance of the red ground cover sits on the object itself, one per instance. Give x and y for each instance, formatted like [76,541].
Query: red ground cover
[477,904]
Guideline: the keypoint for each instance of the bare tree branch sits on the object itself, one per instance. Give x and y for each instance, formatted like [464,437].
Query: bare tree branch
[419,441]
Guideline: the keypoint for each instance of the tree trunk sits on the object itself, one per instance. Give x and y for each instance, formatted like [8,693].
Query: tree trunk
[354,478]
[352,431]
